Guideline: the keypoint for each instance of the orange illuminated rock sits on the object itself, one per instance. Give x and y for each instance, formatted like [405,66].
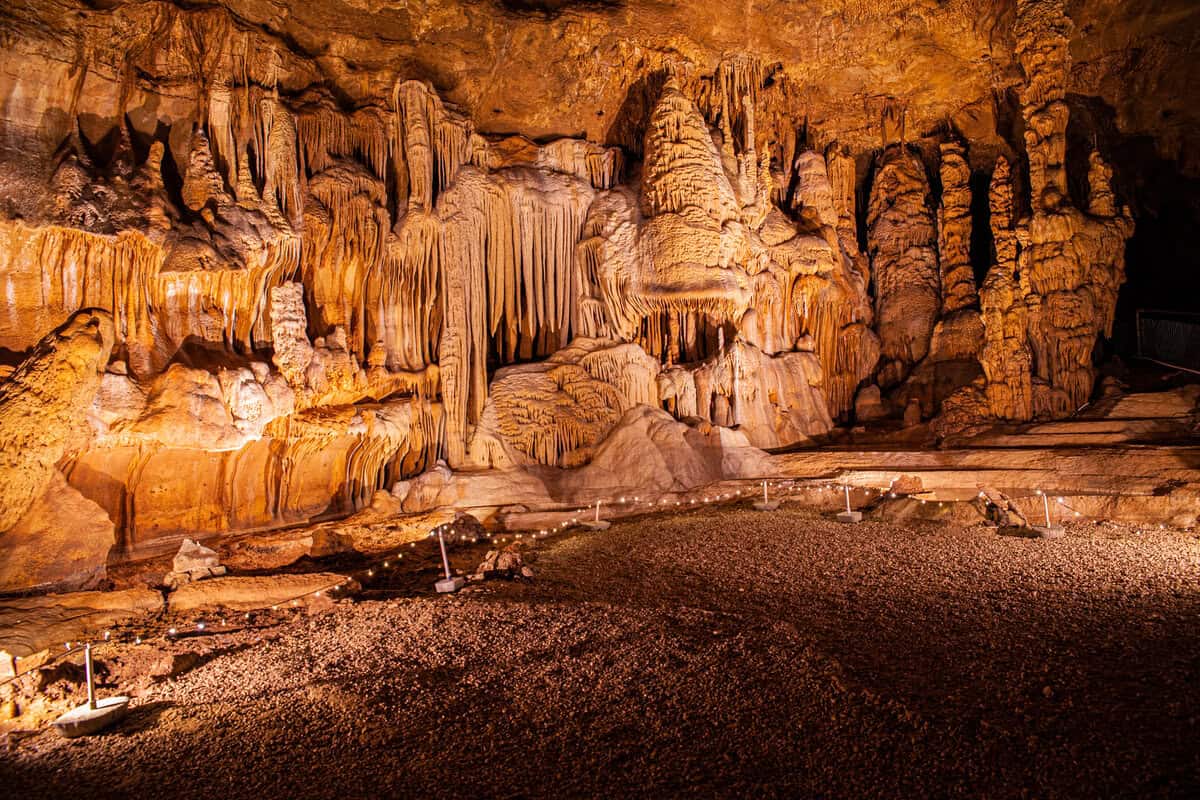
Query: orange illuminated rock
[42,407]
[336,253]
[62,542]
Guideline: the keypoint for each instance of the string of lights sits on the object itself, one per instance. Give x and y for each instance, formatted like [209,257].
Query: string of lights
[626,505]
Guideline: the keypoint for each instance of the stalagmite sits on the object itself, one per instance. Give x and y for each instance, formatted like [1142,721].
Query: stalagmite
[954,231]
[324,276]
[901,240]
[1005,357]
[1075,261]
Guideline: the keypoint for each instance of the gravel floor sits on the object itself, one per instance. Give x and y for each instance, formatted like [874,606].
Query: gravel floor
[718,653]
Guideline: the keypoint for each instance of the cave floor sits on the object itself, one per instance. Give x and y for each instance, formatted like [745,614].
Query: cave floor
[716,653]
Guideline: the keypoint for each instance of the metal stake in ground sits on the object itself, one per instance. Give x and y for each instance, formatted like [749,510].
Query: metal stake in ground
[849,516]
[597,524]
[766,504]
[91,676]
[94,715]
[1049,530]
[451,583]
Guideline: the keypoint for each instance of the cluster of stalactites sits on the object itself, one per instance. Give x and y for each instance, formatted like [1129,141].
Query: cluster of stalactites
[52,272]
[390,441]
[509,278]
[253,141]
[601,167]
[710,258]
[433,141]
[403,297]
[822,302]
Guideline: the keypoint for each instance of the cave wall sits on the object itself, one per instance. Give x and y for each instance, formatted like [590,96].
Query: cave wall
[328,264]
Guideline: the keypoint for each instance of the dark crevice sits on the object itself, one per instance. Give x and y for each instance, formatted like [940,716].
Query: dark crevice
[981,226]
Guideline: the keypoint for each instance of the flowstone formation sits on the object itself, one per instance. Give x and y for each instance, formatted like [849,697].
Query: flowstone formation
[42,407]
[315,277]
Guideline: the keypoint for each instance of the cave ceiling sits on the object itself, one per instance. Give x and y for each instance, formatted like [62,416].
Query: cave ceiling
[543,68]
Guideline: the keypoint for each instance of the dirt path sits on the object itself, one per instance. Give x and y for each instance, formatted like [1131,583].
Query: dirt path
[720,653]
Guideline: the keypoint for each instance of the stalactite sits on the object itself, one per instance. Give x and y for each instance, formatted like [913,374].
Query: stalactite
[720,98]
[429,145]
[221,133]
[345,230]
[52,272]
[404,296]
[326,135]
[840,167]
[277,146]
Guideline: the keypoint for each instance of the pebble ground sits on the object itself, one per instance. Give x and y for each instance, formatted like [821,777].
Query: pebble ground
[720,653]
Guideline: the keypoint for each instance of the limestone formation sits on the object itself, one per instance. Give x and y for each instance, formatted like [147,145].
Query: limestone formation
[954,232]
[903,246]
[1053,287]
[42,408]
[1074,258]
[1006,357]
[258,265]
[61,542]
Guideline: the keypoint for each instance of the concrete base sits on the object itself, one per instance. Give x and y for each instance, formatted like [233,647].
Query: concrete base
[766,505]
[1051,532]
[85,721]
[596,524]
[449,585]
[850,517]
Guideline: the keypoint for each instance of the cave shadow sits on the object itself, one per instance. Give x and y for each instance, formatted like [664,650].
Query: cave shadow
[140,718]
[1162,264]
[13,358]
[628,127]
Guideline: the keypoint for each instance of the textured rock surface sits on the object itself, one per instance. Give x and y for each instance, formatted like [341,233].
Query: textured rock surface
[251,593]
[62,541]
[42,405]
[339,244]
[903,247]
[31,624]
